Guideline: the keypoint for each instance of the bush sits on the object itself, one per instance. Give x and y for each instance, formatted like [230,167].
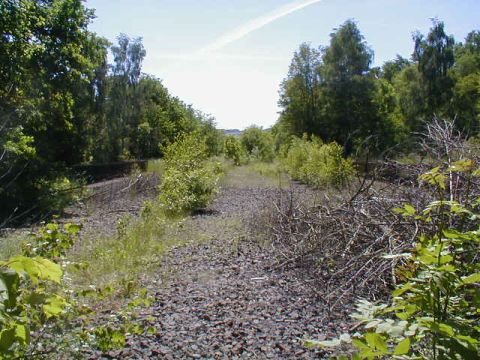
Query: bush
[189,181]
[258,144]
[318,164]
[233,150]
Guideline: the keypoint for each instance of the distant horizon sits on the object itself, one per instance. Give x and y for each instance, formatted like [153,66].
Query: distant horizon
[228,58]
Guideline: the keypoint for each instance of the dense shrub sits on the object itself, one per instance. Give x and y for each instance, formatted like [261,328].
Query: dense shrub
[258,144]
[318,164]
[190,180]
[233,150]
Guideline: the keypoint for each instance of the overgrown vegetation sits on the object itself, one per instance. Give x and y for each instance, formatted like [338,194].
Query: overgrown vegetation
[333,91]
[36,302]
[190,180]
[426,249]
[61,104]
[318,164]
[35,297]
[433,312]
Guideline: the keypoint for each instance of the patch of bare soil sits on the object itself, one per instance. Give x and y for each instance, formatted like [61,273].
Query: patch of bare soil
[220,298]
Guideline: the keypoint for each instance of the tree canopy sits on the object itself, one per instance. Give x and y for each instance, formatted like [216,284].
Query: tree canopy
[333,92]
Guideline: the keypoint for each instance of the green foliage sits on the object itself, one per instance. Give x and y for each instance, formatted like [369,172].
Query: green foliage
[258,143]
[25,187]
[332,92]
[318,164]
[300,92]
[232,150]
[60,105]
[37,304]
[434,313]
[435,56]
[189,181]
[30,289]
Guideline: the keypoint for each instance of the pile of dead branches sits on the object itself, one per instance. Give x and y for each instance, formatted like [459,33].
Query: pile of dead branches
[341,246]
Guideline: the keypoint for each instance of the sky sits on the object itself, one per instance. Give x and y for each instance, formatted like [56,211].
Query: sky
[228,57]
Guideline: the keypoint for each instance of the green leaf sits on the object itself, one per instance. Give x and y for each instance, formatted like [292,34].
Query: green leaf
[376,341]
[8,288]
[7,337]
[403,347]
[361,345]
[407,210]
[406,287]
[22,334]
[73,229]
[36,268]
[54,306]
[49,270]
[474,278]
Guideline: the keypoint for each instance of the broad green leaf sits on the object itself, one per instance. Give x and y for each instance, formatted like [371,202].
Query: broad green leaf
[446,329]
[403,347]
[54,306]
[22,334]
[447,268]
[36,268]
[376,341]
[8,288]
[406,287]
[49,270]
[7,337]
[471,279]
[362,345]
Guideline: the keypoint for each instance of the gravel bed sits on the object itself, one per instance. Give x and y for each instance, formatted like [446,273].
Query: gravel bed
[223,299]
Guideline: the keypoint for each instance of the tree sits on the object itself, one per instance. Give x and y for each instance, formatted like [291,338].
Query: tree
[391,68]
[299,92]
[123,105]
[257,143]
[349,108]
[49,88]
[434,55]
[466,75]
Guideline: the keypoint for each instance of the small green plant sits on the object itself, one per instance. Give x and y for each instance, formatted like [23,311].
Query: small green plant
[36,301]
[434,313]
[31,288]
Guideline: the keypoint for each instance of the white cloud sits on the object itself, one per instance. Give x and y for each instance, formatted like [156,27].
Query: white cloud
[256,24]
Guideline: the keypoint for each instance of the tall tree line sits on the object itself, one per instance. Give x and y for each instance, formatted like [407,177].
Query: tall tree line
[335,93]
[61,103]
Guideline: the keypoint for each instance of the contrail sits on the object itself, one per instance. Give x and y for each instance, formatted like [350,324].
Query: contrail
[256,24]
